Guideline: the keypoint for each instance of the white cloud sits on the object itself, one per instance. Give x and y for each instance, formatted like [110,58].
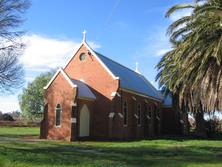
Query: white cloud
[48,52]
[162,52]
[29,79]
[180,13]
[38,69]
[157,43]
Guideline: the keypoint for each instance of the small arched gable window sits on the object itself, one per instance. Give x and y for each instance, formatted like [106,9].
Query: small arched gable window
[139,114]
[150,115]
[58,115]
[125,114]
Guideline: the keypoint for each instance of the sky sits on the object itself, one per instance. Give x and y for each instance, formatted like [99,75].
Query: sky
[136,32]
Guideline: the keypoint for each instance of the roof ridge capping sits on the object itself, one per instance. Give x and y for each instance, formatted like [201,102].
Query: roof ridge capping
[117,63]
[65,75]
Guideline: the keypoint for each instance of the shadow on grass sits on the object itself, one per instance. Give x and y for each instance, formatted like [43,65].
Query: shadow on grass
[144,155]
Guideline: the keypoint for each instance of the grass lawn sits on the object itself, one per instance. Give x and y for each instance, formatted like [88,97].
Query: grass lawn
[169,150]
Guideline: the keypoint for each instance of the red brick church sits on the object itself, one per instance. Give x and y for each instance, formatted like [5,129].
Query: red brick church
[95,97]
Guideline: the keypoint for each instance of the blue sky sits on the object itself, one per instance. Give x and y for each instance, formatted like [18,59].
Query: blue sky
[136,32]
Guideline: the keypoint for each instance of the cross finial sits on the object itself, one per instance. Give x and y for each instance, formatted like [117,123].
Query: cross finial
[84,37]
[137,68]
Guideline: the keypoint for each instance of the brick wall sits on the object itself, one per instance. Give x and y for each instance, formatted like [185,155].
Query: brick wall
[101,83]
[60,91]
[132,129]
[172,121]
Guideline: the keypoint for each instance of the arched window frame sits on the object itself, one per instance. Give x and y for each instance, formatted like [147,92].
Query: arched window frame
[139,114]
[125,113]
[150,115]
[58,115]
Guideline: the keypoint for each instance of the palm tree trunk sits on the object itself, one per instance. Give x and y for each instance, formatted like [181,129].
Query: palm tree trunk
[200,127]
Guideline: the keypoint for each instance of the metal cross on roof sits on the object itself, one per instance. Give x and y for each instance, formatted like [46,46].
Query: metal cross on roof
[84,37]
[137,66]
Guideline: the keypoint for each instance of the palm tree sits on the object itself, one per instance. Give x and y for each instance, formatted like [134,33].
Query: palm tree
[197,57]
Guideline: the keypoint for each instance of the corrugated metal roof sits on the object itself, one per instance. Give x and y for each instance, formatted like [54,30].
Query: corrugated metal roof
[130,79]
[83,89]
[168,100]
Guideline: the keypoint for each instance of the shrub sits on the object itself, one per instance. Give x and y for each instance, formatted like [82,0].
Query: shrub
[211,126]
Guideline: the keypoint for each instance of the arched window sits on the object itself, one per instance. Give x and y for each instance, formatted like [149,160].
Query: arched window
[58,115]
[125,114]
[139,114]
[150,115]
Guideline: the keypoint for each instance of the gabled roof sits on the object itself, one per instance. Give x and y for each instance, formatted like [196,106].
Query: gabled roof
[64,74]
[83,90]
[168,100]
[128,78]
[94,54]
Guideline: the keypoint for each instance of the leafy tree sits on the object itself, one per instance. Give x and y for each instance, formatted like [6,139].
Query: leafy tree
[31,100]
[197,57]
[11,45]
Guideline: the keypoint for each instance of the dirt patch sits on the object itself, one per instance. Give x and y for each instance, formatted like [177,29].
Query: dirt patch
[6,117]
[19,122]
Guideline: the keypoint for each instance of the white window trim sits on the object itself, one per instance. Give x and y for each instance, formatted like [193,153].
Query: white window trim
[148,116]
[157,118]
[60,116]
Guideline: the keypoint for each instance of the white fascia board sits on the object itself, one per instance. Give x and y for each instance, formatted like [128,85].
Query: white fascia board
[86,98]
[73,55]
[65,75]
[139,94]
[151,85]
[93,53]
[107,69]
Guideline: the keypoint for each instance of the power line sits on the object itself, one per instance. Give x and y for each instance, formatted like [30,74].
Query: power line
[107,21]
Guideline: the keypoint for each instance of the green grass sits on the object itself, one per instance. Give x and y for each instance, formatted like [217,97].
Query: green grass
[169,150]
[15,132]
